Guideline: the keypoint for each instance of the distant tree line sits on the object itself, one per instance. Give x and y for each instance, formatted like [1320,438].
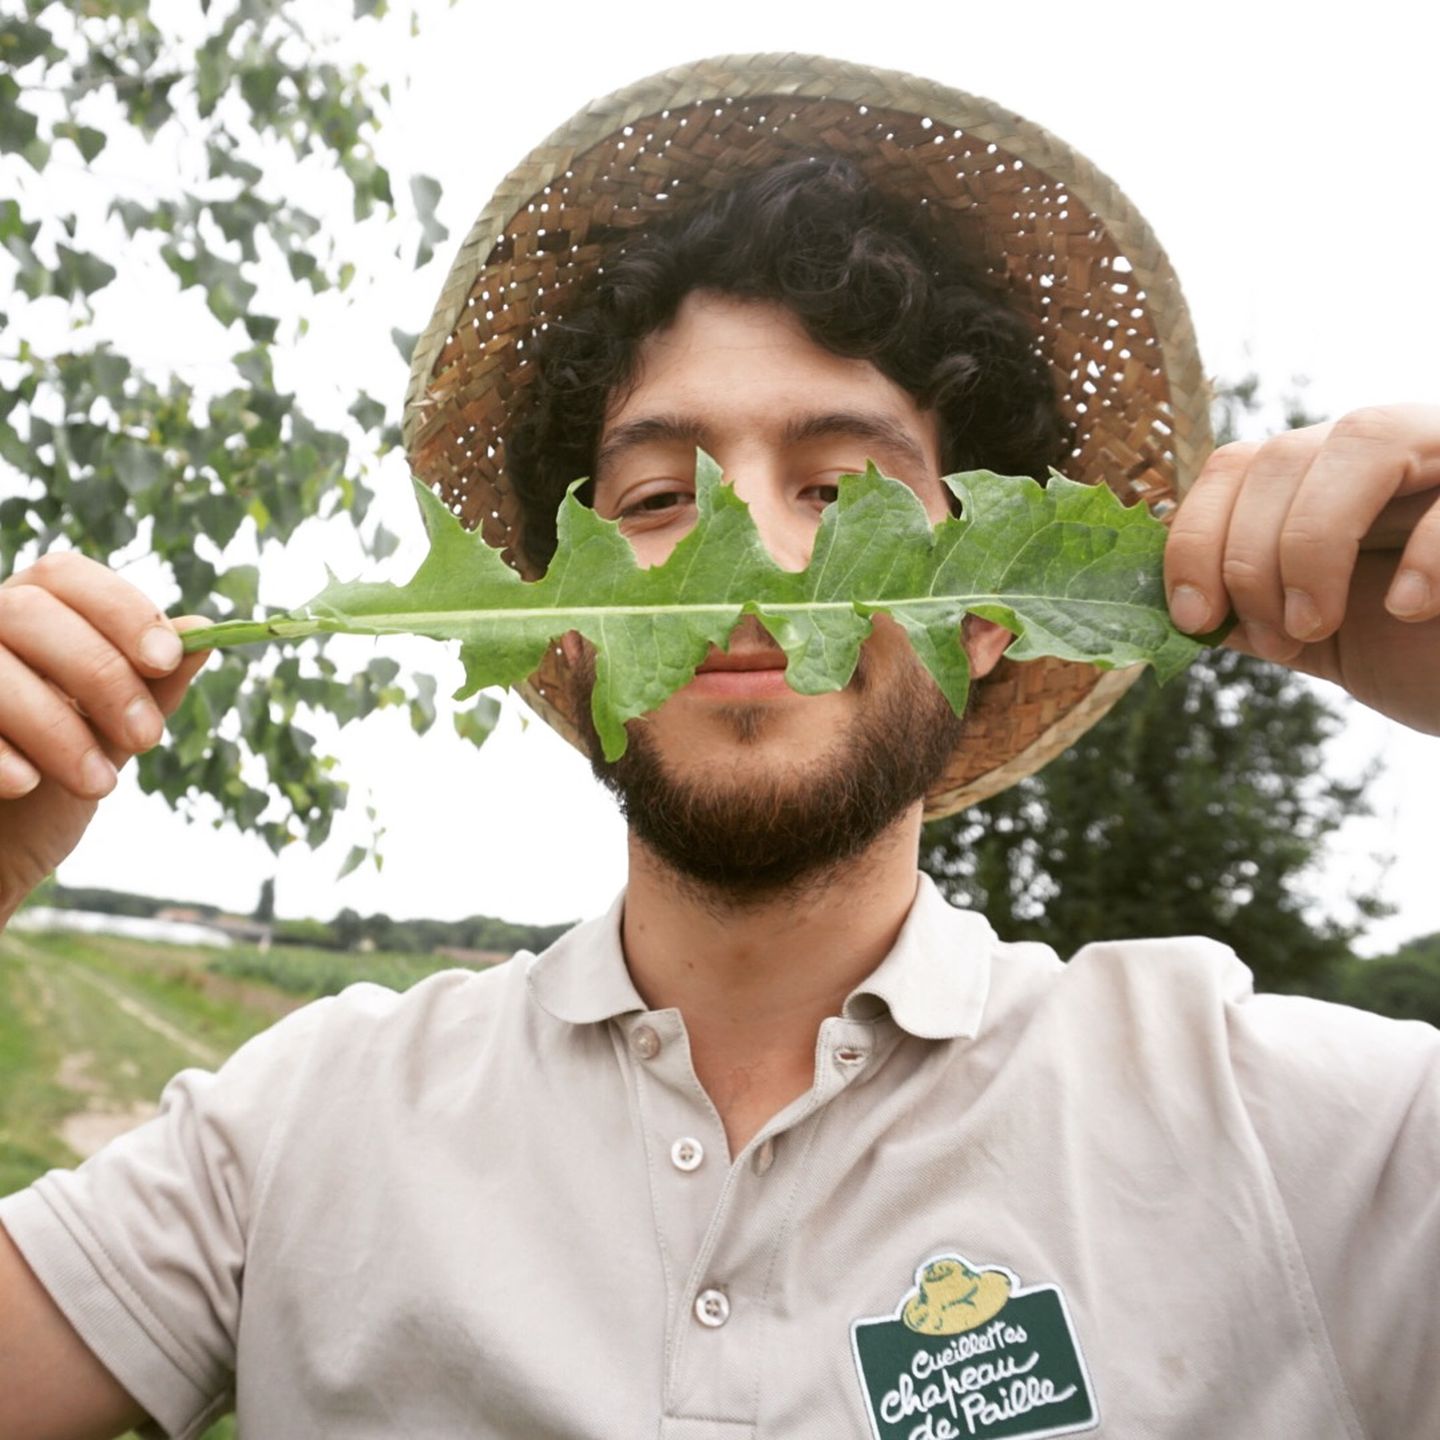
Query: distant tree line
[352,931]
[347,931]
[1405,984]
[115,902]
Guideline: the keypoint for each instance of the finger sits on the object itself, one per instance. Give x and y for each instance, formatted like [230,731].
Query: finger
[1414,594]
[120,612]
[1251,568]
[1195,547]
[62,646]
[17,775]
[170,690]
[1367,459]
[36,721]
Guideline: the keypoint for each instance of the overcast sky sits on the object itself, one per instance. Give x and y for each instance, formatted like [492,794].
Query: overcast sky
[1287,165]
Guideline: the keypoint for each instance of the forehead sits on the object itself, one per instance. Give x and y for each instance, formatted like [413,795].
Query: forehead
[734,362]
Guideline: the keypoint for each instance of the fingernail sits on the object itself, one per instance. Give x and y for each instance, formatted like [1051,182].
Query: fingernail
[17,775]
[97,774]
[1302,618]
[1271,643]
[143,725]
[1189,609]
[1409,595]
[160,648]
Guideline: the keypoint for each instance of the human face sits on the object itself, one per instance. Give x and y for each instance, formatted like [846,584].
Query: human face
[784,419]
[737,781]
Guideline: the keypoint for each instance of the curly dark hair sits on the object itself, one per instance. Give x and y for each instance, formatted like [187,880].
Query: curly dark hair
[864,280]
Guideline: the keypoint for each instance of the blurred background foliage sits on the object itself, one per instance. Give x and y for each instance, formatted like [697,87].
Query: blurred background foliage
[1196,808]
[118,457]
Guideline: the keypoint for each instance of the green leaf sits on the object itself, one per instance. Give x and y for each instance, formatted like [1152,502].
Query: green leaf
[353,861]
[137,466]
[22,41]
[258,86]
[369,413]
[383,544]
[13,224]
[404,343]
[81,272]
[422,706]
[477,723]
[240,585]
[426,194]
[255,366]
[261,328]
[17,127]
[1066,567]
[89,142]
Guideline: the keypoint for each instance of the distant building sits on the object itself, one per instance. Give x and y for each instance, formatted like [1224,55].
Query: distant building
[134,927]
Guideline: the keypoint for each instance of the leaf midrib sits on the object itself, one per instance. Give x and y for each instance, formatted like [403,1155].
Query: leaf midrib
[416,619]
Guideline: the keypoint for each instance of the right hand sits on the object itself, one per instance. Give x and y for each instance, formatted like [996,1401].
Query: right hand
[89,669]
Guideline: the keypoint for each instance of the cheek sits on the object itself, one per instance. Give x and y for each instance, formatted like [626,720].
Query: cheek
[886,653]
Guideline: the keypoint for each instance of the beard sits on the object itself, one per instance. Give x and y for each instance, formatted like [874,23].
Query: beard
[744,839]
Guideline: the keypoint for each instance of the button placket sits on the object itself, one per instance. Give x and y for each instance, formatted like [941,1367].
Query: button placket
[684,1144]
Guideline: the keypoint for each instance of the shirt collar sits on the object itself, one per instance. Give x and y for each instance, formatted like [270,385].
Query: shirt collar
[935,979]
[582,978]
[933,982]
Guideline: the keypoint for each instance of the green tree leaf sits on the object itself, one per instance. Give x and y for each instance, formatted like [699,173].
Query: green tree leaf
[426,194]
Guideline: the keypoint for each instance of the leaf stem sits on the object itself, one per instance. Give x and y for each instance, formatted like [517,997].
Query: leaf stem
[251,632]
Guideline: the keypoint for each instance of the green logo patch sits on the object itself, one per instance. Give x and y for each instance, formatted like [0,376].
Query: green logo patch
[968,1352]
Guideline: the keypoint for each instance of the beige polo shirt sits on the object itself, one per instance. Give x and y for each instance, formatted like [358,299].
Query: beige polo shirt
[1122,1196]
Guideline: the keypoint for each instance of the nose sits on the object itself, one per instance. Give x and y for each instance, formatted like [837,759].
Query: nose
[786,524]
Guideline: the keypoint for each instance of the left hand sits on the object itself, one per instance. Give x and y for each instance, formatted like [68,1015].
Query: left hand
[1326,544]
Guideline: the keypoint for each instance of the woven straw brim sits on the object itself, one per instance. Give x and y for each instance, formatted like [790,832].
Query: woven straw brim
[1060,241]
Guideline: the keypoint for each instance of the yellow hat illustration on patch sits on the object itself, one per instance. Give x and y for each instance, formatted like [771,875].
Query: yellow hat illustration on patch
[951,1298]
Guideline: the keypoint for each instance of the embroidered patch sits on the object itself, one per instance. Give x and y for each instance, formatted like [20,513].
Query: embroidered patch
[968,1352]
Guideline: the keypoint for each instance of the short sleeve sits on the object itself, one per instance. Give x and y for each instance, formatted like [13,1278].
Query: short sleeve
[1347,1107]
[143,1246]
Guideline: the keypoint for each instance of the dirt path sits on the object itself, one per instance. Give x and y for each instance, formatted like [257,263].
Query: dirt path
[146,1017]
[90,1129]
[87,1131]
[126,1003]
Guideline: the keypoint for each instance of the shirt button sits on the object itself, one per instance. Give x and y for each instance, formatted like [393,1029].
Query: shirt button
[764,1156]
[686,1154]
[645,1042]
[712,1308]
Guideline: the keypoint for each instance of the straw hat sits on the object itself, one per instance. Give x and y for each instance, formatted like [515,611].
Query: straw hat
[1062,243]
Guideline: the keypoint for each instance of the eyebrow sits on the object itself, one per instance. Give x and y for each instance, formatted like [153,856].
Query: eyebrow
[649,430]
[857,425]
[689,430]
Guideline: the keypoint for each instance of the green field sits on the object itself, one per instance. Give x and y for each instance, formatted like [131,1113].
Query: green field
[92,1027]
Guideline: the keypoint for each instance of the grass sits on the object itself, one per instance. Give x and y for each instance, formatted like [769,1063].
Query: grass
[326,972]
[101,1023]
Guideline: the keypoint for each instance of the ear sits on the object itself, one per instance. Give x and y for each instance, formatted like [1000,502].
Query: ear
[572,646]
[985,642]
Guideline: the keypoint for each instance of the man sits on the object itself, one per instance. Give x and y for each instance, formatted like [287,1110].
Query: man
[782,1146]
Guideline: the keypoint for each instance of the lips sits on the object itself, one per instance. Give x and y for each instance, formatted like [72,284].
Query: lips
[741,675]
[732,661]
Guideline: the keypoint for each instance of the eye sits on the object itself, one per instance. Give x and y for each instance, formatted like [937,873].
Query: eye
[822,492]
[654,503]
